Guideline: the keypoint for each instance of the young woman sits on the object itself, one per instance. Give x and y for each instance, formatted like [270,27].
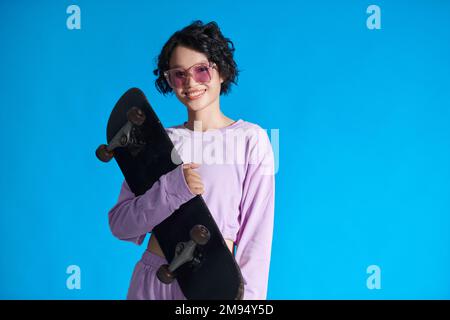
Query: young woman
[236,180]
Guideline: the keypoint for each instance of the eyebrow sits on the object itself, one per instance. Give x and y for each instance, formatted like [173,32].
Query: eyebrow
[178,66]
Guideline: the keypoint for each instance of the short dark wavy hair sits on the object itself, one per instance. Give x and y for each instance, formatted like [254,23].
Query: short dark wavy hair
[204,38]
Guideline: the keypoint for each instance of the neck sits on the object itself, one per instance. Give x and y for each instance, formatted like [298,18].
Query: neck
[209,118]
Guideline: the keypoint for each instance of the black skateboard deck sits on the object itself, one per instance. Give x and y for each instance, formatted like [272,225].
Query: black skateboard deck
[190,239]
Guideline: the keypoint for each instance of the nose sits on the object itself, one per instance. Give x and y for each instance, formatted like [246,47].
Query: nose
[190,82]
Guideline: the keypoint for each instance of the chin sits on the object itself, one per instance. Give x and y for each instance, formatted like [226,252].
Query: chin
[196,107]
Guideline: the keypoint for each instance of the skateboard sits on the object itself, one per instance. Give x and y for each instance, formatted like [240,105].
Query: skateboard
[190,239]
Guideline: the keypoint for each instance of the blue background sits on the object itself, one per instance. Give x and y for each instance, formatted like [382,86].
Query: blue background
[364,139]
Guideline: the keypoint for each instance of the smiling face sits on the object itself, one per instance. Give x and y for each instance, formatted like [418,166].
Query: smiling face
[195,96]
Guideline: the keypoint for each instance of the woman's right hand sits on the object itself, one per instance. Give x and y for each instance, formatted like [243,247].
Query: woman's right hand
[193,179]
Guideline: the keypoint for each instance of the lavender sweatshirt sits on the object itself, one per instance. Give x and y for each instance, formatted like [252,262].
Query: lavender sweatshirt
[237,170]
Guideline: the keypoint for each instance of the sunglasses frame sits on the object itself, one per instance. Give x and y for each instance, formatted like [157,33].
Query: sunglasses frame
[210,65]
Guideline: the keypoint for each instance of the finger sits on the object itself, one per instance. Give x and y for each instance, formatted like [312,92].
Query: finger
[198,190]
[194,165]
[195,185]
[194,181]
[191,173]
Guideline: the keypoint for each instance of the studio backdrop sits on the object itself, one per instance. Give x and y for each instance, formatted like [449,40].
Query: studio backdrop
[354,95]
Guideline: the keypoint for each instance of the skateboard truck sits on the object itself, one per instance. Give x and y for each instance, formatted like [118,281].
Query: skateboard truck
[185,252]
[127,136]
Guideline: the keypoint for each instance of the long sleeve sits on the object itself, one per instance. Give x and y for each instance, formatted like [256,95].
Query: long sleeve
[133,217]
[254,239]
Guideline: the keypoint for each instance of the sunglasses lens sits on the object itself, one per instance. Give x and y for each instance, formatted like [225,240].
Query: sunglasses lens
[177,78]
[201,73]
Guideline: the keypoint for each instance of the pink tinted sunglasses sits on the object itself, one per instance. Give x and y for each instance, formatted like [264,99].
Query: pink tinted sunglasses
[201,73]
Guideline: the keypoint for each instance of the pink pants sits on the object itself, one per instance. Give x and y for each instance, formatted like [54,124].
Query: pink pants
[146,286]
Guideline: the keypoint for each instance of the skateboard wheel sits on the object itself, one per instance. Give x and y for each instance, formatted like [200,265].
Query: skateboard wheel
[136,116]
[200,234]
[103,154]
[164,274]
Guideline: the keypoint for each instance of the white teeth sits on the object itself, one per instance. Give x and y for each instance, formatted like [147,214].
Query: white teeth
[195,93]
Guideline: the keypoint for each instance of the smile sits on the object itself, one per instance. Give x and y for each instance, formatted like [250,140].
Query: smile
[195,94]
